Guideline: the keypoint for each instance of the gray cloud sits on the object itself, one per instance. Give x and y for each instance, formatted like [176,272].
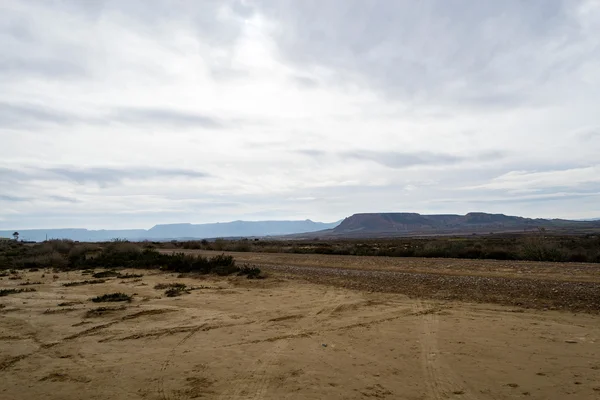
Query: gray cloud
[435,50]
[400,159]
[348,81]
[16,199]
[6,197]
[22,115]
[45,68]
[64,199]
[166,117]
[305,82]
[588,133]
[28,115]
[97,175]
[394,159]
[31,49]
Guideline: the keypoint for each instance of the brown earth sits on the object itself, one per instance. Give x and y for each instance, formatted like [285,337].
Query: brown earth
[542,285]
[286,337]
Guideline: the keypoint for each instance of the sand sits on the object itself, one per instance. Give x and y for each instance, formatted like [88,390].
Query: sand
[283,338]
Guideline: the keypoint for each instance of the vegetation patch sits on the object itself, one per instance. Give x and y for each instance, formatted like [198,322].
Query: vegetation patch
[111,297]
[105,274]
[541,245]
[100,311]
[176,285]
[250,272]
[87,282]
[64,255]
[174,292]
[128,276]
[60,310]
[30,283]
[6,292]
[174,289]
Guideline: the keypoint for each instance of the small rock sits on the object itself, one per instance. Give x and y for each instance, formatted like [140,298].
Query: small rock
[324,345]
[570,341]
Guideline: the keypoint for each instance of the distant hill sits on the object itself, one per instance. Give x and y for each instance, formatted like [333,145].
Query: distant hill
[238,229]
[178,231]
[408,224]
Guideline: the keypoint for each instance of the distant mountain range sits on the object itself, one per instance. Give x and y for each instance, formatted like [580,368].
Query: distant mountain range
[376,225]
[178,231]
[413,224]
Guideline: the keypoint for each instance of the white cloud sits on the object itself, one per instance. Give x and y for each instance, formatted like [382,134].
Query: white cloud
[529,181]
[295,109]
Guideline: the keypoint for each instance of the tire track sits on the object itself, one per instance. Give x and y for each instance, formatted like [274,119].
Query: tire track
[255,385]
[165,365]
[440,378]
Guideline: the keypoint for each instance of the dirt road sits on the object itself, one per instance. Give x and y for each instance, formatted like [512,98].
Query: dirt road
[283,338]
[553,286]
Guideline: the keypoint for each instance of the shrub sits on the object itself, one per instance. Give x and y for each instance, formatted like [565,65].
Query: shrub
[6,292]
[176,291]
[100,311]
[111,297]
[105,274]
[176,285]
[81,283]
[250,272]
[127,276]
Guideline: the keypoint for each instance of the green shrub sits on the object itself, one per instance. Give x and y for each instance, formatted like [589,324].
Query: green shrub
[127,276]
[111,297]
[250,272]
[176,291]
[105,274]
[81,283]
[6,292]
[175,285]
[100,311]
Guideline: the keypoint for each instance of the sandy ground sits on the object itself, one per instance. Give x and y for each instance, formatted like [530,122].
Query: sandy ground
[283,338]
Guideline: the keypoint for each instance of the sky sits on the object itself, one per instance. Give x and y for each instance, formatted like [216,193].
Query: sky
[130,113]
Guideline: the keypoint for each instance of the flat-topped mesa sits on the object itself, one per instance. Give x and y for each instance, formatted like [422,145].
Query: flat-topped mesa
[474,222]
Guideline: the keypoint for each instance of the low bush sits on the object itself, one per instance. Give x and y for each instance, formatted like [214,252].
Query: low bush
[105,274]
[100,311]
[81,283]
[250,272]
[68,255]
[112,297]
[127,276]
[177,285]
[176,291]
[6,292]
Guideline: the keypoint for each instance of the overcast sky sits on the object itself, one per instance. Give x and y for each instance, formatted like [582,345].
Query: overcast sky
[124,114]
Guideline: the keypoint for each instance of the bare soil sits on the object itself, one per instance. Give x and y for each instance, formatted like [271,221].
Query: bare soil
[287,337]
[542,285]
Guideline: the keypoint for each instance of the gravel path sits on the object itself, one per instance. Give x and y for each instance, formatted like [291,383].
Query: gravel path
[529,293]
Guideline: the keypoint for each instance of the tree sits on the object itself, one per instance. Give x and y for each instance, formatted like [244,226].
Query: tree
[16,236]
